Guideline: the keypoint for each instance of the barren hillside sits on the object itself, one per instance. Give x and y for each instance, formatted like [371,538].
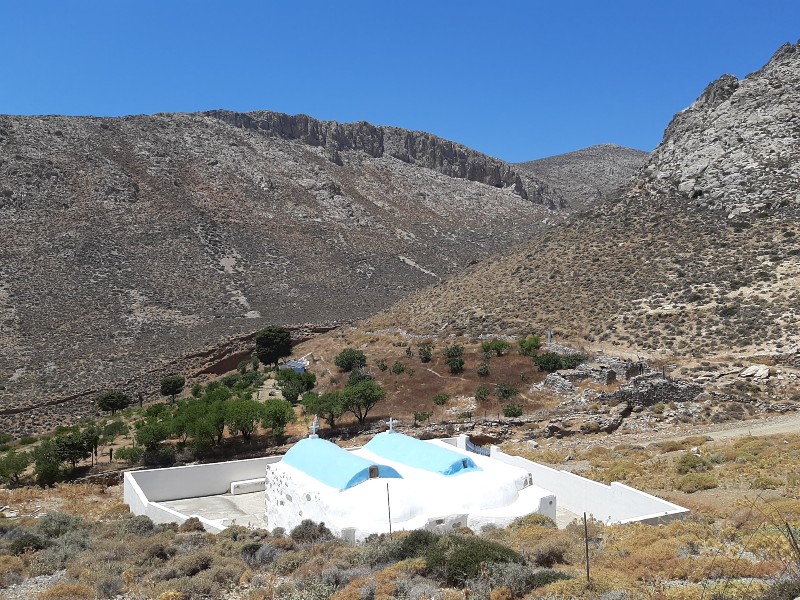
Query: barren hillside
[586,175]
[129,241]
[700,255]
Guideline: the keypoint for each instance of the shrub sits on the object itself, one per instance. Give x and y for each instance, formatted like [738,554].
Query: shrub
[114,429]
[483,370]
[159,457]
[456,559]
[349,359]
[481,393]
[27,542]
[549,552]
[258,555]
[454,351]
[455,365]
[191,524]
[110,587]
[529,345]
[398,368]
[694,482]
[537,519]
[417,543]
[56,524]
[130,454]
[192,564]
[505,391]
[512,410]
[67,591]
[382,366]
[498,347]
[441,399]
[689,462]
[309,531]
[425,352]
[11,570]
[139,525]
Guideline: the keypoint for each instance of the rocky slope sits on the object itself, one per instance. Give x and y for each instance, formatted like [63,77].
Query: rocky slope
[586,175]
[658,268]
[736,148]
[127,242]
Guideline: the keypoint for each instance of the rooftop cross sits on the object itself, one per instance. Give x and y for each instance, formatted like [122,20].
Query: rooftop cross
[391,422]
[314,427]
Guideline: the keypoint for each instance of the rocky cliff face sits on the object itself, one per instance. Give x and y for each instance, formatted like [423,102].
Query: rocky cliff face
[128,242]
[585,176]
[737,148]
[412,147]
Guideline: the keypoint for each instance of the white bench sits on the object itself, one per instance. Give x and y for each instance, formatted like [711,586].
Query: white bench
[247,486]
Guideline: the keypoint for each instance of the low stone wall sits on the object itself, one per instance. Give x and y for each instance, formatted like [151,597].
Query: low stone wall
[653,388]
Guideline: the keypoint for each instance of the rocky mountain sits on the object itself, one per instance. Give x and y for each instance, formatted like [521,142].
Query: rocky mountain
[736,148]
[699,257]
[129,241]
[587,175]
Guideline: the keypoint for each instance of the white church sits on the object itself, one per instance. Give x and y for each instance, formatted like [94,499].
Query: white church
[393,482]
[397,482]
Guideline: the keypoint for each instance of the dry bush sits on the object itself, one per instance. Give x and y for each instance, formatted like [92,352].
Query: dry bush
[11,570]
[695,482]
[67,591]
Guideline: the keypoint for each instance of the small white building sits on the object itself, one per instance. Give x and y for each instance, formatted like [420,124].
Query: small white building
[397,482]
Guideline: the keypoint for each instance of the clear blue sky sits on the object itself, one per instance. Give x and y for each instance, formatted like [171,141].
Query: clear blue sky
[515,79]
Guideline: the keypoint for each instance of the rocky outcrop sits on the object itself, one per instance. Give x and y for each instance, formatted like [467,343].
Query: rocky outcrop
[413,147]
[737,147]
[585,176]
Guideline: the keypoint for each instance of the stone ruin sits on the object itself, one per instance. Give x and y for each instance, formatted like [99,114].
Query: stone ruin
[650,389]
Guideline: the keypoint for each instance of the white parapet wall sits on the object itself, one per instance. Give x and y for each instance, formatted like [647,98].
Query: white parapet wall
[614,504]
[145,490]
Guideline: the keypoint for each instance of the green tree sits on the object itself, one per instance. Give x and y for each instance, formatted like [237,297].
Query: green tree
[359,375]
[13,465]
[293,384]
[172,385]
[328,407]
[277,414]
[482,393]
[512,410]
[425,352]
[498,346]
[46,464]
[550,362]
[113,401]
[530,345]
[242,416]
[362,398]
[420,416]
[273,344]
[454,351]
[455,364]
[504,391]
[73,447]
[152,434]
[349,359]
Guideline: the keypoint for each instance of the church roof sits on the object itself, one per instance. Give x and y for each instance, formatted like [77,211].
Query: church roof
[329,464]
[415,453]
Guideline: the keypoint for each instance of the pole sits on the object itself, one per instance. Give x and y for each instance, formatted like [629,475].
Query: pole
[586,543]
[389,506]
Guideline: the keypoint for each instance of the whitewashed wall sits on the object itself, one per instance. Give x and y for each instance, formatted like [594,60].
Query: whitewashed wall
[615,503]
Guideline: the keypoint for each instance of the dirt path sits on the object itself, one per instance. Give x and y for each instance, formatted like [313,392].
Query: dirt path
[789,423]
